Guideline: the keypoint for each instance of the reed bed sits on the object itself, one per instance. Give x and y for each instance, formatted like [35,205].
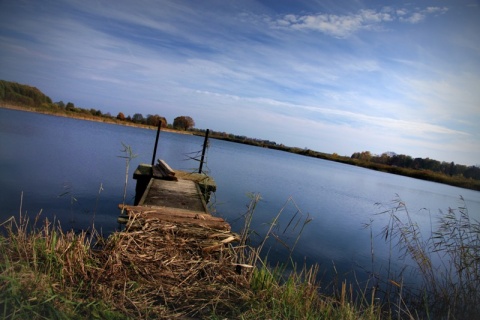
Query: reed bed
[446,264]
[157,270]
[48,274]
[176,267]
[165,270]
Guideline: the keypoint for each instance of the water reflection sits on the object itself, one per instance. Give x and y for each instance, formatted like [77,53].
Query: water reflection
[53,160]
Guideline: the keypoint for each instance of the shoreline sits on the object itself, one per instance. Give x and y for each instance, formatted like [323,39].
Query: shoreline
[426,175]
[89,118]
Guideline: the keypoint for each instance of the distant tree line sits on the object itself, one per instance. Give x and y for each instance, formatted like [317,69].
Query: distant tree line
[150,119]
[242,139]
[405,161]
[179,123]
[16,93]
[30,97]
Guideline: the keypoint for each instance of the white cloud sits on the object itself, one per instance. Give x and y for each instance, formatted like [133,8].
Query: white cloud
[415,17]
[419,14]
[336,25]
[436,10]
[342,26]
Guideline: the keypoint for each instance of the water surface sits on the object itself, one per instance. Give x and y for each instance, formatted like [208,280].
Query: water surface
[72,170]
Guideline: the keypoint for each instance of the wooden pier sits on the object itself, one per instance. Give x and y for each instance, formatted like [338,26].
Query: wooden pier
[181,256]
[177,198]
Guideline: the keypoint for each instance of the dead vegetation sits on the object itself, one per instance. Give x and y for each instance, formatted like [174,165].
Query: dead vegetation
[189,269]
[152,269]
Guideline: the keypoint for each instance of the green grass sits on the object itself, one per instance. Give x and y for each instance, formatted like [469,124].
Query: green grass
[46,273]
[297,295]
[41,273]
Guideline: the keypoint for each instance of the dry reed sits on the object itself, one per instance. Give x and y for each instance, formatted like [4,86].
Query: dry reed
[151,269]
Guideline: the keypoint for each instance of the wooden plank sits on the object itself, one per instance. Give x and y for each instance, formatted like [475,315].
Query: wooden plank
[171,212]
[165,167]
[205,182]
[177,216]
[183,194]
[159,173]
[204,223]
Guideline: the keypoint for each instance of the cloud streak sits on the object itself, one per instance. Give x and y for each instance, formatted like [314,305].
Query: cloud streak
[342,26]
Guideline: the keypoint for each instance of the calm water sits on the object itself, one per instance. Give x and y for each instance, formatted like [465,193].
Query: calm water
[71,170]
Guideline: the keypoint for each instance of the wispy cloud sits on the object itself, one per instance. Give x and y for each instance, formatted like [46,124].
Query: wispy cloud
[420,14]
[348,118]
[342,26]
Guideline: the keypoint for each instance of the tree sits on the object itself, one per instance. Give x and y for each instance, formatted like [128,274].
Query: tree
[121,116]
[138,118]
[472,172]
[418,163]
[183,123]
[384,158]
[22,94]
[153,120]
[70,106]
[451,169]
[96,112]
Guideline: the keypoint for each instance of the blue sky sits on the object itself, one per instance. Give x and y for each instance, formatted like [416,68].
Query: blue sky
[332,76]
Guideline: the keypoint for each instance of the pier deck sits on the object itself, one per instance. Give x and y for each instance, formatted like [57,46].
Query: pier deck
[177,199]
[181,194]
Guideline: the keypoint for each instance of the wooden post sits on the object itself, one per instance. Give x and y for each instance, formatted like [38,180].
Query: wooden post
[205,142]
[156,142]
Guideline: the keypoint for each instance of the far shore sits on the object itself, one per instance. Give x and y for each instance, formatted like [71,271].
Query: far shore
[456,181]
[90,118]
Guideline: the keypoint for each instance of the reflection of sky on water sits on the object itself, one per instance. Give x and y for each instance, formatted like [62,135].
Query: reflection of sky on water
[53,160]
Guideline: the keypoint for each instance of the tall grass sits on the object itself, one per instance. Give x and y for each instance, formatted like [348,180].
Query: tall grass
[285,291]
[128,156]
[447,263]
[48,274]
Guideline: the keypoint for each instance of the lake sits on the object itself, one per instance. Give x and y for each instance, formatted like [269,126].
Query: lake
[73,171]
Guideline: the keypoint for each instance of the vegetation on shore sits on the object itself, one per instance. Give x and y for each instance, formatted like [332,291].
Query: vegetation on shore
[28,98]
[46,273]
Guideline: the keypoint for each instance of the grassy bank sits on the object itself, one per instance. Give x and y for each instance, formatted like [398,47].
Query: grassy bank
[46,273]
[84,116]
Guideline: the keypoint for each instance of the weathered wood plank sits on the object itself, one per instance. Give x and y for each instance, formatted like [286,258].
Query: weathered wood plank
[159,173]
[183,194]
[175,212]
[165,167]
[203,223]
[177,216]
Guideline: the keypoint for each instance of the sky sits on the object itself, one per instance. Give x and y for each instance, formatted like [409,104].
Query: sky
[332,76]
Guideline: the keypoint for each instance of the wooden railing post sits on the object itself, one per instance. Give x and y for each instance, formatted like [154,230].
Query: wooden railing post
[205,142]
[156,142]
